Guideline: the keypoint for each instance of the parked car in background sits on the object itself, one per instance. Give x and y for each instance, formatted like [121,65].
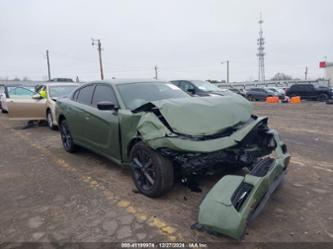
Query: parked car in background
[13,93]
[36,107]
[258,94]
[62,80]
[2,92]
[278,92]
[237,91]
[200,88]
[310,92]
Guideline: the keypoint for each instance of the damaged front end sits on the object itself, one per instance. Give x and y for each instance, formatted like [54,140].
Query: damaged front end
[255,144]
[213,143]
[236,200]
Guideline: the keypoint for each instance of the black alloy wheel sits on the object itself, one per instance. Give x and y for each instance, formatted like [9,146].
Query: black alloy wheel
[66,137]
[152,174]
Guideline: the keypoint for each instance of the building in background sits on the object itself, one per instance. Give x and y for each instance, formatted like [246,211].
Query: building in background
[328,67]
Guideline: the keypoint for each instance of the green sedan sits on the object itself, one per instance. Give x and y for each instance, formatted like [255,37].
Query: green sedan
[164,134]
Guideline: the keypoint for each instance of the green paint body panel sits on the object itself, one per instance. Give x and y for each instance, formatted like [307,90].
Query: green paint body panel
[217,213]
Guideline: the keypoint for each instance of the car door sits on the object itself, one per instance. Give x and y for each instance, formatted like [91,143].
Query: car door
[25,104]
[80,112]
[257,93]
[102,126]
[309,91]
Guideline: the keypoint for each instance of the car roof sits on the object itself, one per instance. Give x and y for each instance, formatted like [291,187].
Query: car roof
[128,81]
[19,85]
[61,84]
[306,84]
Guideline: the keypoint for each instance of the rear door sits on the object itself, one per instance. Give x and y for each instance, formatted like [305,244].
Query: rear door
[25,104]
[79,112]
[102,127]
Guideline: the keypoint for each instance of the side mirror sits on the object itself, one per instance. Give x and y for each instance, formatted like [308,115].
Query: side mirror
[106,106]
[37,96]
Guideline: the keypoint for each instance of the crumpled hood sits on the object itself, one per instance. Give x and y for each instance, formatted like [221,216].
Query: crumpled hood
[199,116]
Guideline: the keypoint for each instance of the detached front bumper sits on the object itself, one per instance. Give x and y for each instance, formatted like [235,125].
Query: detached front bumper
[236,200]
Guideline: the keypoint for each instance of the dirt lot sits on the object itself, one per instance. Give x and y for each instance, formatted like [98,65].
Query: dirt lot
[47,194]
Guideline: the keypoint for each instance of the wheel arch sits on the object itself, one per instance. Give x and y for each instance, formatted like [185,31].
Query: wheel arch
[48,109]
[130,145]
[61,118]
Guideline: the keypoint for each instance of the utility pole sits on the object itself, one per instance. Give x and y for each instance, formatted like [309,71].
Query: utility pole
[156,72]
[99,49]
[227,71]
[227,62]
[306,73]
[48,64]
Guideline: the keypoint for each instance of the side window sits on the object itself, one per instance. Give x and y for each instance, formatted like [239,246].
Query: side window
[104,93]
[85,95]
[186,86]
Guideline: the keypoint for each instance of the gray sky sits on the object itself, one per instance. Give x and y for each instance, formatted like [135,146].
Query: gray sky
[185,38]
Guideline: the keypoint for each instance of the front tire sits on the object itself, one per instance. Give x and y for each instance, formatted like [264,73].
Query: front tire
[49,119]
[66,137]
[153,175]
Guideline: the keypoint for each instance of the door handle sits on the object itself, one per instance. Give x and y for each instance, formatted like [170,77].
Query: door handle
[87,117]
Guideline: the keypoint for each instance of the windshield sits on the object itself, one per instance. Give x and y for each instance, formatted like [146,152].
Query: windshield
[17,91]
[205,86]
[135,95]
[61,91]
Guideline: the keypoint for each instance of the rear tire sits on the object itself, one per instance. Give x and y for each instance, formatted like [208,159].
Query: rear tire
[49,119]
[66,137]
[153,175]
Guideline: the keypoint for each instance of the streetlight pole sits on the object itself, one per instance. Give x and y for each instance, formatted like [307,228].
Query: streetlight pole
[227,62]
